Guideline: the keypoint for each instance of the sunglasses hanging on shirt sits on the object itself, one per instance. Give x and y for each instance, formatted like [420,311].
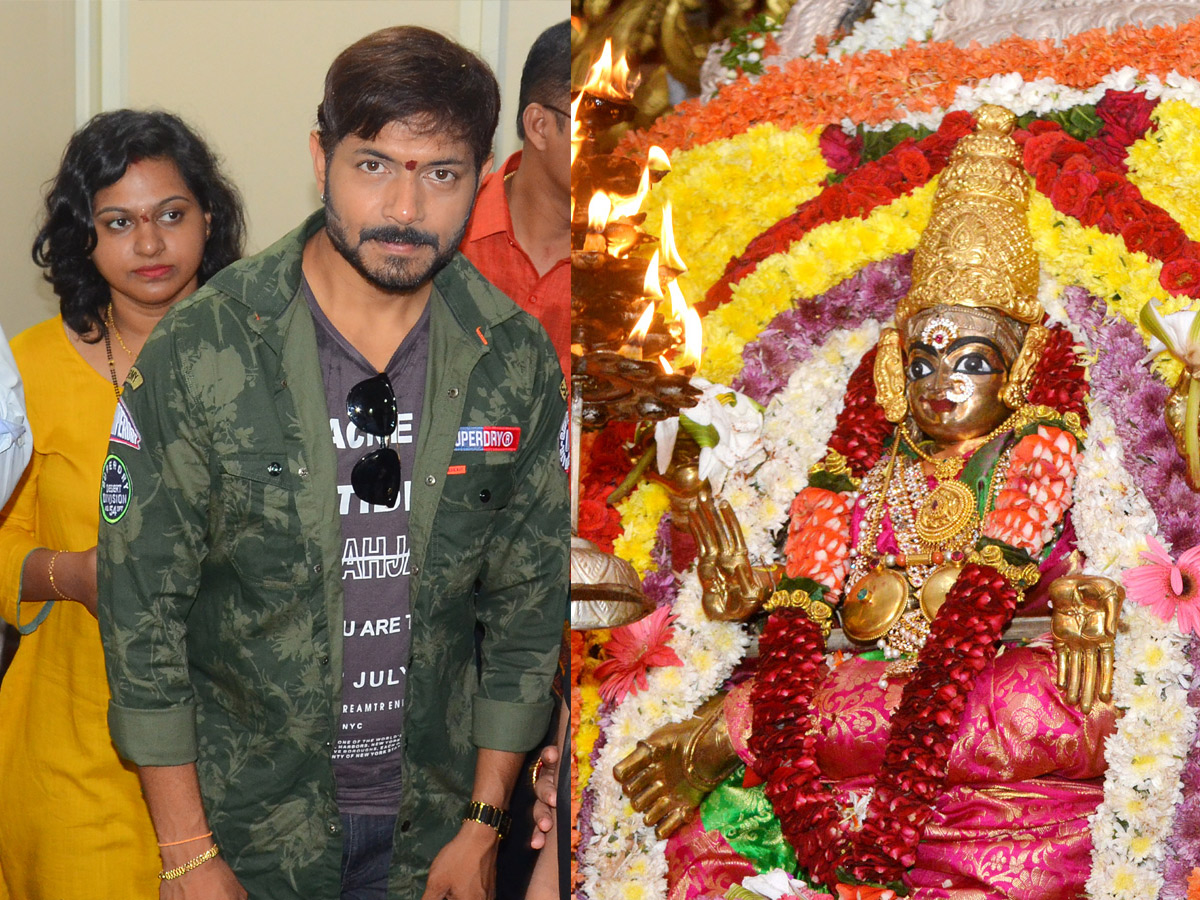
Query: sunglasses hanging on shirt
[371,406]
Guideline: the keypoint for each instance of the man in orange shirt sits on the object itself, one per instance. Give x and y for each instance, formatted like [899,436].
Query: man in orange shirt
[520,233]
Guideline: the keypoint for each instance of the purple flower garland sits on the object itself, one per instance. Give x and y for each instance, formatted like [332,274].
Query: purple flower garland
[792,336]
[1136,400]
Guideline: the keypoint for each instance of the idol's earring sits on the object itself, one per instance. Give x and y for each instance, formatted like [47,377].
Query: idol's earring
[1015,393]
[890,385]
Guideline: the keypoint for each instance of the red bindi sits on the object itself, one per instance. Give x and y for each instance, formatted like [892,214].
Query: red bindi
[410,165]
[145,218]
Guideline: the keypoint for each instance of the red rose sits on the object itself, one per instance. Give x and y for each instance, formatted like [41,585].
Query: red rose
[1043,126]
[833,203]
[842,152]
[1126,113]
[1181,276]
[1071,190]
[598,522]
[912,164]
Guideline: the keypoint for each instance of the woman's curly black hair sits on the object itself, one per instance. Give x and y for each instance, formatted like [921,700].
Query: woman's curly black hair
[96,157]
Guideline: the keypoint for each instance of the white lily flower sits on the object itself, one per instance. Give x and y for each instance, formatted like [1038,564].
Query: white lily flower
[1177,333]
[773,884]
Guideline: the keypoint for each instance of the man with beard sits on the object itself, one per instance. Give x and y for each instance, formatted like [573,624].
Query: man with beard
[290,621]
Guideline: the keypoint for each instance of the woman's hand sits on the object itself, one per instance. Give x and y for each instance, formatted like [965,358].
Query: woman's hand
[60,575]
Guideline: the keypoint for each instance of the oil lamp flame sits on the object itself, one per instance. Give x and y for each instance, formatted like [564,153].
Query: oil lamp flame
[657,159]
[598,212]
[608,79]
[624,207]
[652,287]
[642,328]
[679,306]
[666,366]
[693,339]
[670,252]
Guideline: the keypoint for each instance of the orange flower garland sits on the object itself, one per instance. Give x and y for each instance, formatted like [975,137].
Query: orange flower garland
[870,88]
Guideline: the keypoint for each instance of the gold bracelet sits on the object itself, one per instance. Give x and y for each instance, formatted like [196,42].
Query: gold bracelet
[50,570]
[172,874]
[491,816]
[1020,577]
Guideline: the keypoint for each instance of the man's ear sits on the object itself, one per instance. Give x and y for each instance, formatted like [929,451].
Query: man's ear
[318,158]
[536,119]
[483,171]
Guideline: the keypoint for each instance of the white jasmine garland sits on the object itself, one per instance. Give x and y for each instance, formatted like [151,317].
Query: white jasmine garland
[624,858]
[893,23]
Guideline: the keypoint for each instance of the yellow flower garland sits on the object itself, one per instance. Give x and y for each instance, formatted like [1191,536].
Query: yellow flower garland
[641,512]
[1165,165]
[726,193]
[824,257]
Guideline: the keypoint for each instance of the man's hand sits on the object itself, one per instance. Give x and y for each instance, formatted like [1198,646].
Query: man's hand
[213,880]
[465,869]
[1084,627]
[546,791]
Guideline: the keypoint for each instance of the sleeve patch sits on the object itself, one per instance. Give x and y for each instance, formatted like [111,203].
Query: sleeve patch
[564,442]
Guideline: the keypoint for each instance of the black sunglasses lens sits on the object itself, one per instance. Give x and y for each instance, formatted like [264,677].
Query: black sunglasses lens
[371,406]
[376,477]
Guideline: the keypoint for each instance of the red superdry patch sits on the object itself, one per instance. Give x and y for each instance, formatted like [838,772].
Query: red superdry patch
[456,470]
[488,437]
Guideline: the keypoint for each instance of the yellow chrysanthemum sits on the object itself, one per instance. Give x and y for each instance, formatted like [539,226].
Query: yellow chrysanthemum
[641,512]
[827,255]
[726,193]
[1165,165]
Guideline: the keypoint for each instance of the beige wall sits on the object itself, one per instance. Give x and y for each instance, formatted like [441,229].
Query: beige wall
[37,102]
[246,73]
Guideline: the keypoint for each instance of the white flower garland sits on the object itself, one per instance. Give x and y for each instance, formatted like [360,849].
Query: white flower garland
[893,23]
[1044,95]
[798,423]
[624,860]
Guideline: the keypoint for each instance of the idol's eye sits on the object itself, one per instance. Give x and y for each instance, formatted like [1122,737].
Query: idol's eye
[919,368]
[975,364]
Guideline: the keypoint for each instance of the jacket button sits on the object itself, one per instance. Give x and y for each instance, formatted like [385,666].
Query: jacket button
[302,471]
[431,479]
[452,393]
[333,827]
[318,568]
[405,825]
[325,660]
[485,495]
[274,468]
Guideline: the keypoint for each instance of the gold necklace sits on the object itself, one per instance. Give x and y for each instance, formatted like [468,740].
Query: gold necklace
[111,321]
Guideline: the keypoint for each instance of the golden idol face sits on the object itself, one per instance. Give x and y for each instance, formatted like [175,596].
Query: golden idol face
[954,384]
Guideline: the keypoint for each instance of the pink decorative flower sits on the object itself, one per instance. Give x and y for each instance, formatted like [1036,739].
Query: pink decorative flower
[1170,588]
[635,649]
[864,892]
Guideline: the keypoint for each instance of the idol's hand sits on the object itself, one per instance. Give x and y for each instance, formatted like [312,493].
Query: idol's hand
[671,771]
[733,589]
[1084,626]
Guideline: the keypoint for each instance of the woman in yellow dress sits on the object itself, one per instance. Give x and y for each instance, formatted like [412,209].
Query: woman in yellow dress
[138,216]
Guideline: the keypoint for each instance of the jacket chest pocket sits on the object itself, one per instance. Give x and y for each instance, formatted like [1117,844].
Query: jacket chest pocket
[473,496]
[257,526]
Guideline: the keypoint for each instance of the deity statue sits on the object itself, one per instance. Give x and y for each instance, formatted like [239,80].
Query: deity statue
[943,763]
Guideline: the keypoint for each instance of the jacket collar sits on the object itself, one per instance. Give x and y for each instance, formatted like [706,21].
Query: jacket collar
[268,284]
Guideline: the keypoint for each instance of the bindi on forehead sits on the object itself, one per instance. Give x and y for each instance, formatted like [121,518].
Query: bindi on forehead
[145,217]
[410,164]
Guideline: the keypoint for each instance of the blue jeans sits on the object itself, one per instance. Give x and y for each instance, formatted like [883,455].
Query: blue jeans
[366,855]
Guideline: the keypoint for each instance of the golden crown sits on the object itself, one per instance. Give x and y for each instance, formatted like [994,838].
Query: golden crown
[977,249]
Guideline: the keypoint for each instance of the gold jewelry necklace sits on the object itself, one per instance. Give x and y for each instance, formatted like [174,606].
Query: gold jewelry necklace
[111,321]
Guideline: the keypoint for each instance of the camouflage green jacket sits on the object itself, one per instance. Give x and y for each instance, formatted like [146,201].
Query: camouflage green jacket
[220,565]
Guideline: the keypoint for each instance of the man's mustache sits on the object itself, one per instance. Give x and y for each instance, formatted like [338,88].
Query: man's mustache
[393,234]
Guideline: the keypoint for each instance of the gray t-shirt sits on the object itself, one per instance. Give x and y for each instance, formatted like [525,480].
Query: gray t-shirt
[375,570]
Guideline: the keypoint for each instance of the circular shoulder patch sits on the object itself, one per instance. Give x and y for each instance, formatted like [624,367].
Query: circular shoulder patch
[115,490]
[564,443]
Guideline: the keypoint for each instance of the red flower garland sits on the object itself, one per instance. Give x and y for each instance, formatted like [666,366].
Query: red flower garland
[907,167]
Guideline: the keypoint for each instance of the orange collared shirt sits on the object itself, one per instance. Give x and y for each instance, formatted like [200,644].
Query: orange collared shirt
[492,248]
